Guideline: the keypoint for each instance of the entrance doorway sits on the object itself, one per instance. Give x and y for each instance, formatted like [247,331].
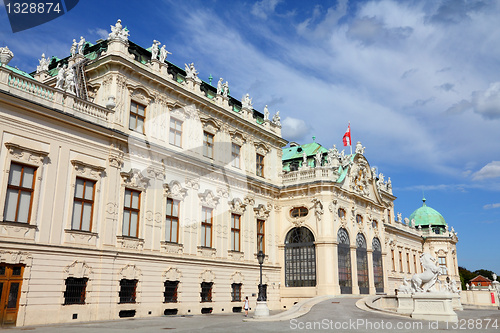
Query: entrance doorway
[11,279]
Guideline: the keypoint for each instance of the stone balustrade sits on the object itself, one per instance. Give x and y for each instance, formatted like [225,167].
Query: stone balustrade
[307,175]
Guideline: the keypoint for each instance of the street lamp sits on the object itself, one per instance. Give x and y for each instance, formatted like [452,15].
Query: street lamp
[261,310]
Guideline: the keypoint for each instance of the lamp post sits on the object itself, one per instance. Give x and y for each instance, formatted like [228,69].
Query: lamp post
[261,310]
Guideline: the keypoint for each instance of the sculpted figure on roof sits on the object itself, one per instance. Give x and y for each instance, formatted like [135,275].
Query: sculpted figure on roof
[332,157]
[164,53]
[191,72]
[266,113]
[43,64]
[118,32]
[277,119]
[74,48]
[81,45]
[359,148]
[220,87]
[61,75]
[155,49]
[318,158]
[247,101]
[225,88]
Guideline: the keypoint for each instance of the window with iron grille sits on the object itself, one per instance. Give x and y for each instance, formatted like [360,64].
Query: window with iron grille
[300,258]
[260,236]
[378,271]
[170,294]
[236,292]
[83,204]
[206,291]
[19,193]
[137,117]
[172,221]
[128,290]
[75,290]
[344,261]
[362,264]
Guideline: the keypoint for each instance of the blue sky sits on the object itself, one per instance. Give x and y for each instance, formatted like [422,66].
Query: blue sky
[418,80]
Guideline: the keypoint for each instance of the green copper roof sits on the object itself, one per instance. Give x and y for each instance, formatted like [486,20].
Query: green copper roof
[18,71]
[426,216]
[290,153]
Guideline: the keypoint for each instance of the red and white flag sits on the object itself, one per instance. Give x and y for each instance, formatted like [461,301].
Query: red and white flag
[347,136]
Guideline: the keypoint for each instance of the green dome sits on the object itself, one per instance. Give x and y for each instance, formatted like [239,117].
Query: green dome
[425,216]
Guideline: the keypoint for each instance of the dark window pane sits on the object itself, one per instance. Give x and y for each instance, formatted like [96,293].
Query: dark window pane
[13,295]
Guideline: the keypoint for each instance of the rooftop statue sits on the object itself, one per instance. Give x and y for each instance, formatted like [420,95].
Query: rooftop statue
[74,48]
[81,45]
[359,148]
[318,158]
[424,281]
[69,81]
[117,32]
[191,72]
[6,55]
[277,119]
[61,75]
[220,87]
[225,87]
[164,53]
[43,64]
[266,113]
[155,49]
[247,101]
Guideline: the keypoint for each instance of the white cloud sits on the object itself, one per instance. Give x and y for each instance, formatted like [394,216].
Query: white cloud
[103,34]
[491,206]
[264,8]
[294,129]
[487,103]
[490,170]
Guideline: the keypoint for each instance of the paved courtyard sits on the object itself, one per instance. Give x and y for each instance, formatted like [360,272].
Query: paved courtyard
[334,315]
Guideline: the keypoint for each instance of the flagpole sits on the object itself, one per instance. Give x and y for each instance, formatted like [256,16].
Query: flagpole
[350,141]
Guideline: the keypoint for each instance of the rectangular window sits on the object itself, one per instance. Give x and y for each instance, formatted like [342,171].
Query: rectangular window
[260,236]
[235,232]
[393,260]
[442,265]
[128,290]
[172,221]
[415,263]
[206,291]
[208,145]
[19,193]
[236,292]
[206,227]
[400,261]
[170,294]
[83,205]
[408,262]
[175,137]
[235,154]
[131,212]
[137,117]
[259,165]
[75,290]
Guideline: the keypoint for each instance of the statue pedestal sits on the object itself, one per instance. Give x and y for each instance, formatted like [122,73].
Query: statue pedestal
[433,306]
[261,310]
[405,304]
[457,304]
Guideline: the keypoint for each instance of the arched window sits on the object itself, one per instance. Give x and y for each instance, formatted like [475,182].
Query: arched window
[300,258]
[378,270]
[362,264]
[344,257]
[341,213]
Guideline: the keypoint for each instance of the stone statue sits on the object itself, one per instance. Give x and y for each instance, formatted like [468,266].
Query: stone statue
[389,184]
[467,286]
[276,119]
[412,223]
[69,82]
[304,159]
[247,101]
[154,50]
[318,158]
[424,281]
[117,32]
[225,88]
[74,48]
[266,113]
[43,64]
[81,45]
[494,276]
[380,181]
[359,148]
[400,218]
[164,53]
[61,76]
[407,221]
[405,288]
[191,72]
[220,87]
[332,158]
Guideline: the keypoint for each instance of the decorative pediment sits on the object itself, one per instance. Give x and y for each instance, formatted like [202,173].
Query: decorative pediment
[262,148]
[25,154]
[193,183]
[140,95]
[172,274]
[87,170]
[262,212]
[78,269]
[184,112]
[249,200]
[15,257]
[236,206]
[237,277]
[130,272]
[360,178]
[208,199]
[175,190]
[207,276]
[237,138]
[210,125]
[134,179]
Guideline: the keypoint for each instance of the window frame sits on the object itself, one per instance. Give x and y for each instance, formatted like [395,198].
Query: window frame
[137,115]
[128,296]
[259,164]
[261,236]
[235,232]
[70,300]
[175,131]
[301,211]
[20,189]
[83,201]
[171,288]
[236,156]
[208,144]
[131,210]
[205,225]
[236,292]
[206,293]
[171,219]
[443,267]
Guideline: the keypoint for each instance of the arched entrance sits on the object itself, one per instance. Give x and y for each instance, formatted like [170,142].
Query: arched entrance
[378,269]
[362,264]
[344,258]
[300,258]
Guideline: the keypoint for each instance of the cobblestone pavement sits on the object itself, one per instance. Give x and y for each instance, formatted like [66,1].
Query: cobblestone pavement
[334,315]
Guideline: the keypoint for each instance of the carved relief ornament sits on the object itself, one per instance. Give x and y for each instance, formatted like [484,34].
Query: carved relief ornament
[208,199]
[236,206]
[134,179]
[175,190]
[24,154]
[87,170]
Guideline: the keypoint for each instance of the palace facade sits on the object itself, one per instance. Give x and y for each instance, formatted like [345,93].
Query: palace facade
[130,187]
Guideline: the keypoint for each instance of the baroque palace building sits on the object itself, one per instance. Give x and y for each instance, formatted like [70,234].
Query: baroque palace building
[130,187]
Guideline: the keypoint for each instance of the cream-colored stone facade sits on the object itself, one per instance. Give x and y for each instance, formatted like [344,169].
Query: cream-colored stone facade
[67,139]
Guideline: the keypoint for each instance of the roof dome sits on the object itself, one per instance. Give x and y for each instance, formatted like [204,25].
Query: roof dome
[426,216]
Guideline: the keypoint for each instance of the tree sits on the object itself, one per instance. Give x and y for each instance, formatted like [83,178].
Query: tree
[465,276]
